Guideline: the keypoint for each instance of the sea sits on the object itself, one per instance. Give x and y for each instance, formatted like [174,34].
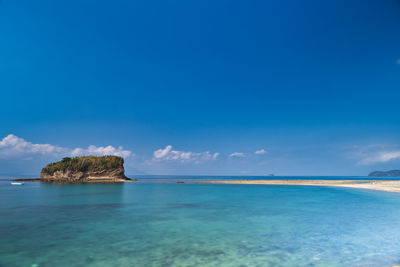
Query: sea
[158,222]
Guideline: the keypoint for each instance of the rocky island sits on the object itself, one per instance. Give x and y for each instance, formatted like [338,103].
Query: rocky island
[85,169]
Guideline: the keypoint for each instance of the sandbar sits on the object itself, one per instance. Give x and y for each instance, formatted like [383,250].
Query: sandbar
[378,185]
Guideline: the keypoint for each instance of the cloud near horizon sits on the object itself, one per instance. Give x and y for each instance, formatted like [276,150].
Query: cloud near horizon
[14,146]
[380,157]
[108,150]
[373,154]
[237,155]
[168,154]
[261,152]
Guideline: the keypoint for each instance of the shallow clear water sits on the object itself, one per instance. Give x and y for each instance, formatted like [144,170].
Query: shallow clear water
[168,224]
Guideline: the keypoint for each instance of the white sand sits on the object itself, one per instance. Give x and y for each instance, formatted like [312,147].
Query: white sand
[379,185]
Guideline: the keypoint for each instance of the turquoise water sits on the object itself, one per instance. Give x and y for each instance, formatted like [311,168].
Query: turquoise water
[169,224]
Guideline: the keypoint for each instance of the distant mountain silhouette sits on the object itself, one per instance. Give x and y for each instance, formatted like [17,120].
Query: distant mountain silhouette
[392,173]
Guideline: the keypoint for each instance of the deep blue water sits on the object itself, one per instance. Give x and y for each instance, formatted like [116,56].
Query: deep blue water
[157,223]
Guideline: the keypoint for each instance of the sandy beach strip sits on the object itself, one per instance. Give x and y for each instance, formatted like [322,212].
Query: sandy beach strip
[379,185]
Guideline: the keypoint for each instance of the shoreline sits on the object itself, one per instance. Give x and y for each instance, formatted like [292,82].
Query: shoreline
[377,185]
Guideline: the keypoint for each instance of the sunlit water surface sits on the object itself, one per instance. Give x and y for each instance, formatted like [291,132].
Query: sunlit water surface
[169,224]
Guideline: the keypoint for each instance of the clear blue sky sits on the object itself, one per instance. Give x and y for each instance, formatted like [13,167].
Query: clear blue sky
[316,84]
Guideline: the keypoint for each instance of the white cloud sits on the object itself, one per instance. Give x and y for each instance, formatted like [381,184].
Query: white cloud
[101,151]
[260,152]
[162,153]
[237,155]
[380,157]
[13,146]
[168,154]
[372,154]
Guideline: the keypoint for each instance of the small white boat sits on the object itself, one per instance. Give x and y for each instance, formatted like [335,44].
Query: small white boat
[17,183]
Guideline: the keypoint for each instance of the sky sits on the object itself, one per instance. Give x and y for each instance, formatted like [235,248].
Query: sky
[202,87]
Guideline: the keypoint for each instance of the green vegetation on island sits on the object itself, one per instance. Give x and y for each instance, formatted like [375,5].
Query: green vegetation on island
[85,169]
[84,164]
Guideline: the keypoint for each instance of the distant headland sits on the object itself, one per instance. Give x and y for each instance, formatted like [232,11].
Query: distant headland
[85,169]
[392,173]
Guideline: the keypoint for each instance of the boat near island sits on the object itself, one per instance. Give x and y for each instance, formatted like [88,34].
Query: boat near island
[17,183]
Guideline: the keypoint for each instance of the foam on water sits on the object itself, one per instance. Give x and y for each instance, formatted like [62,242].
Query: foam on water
[197,225]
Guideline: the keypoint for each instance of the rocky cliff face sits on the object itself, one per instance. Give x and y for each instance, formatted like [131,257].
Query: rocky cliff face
[85,169]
